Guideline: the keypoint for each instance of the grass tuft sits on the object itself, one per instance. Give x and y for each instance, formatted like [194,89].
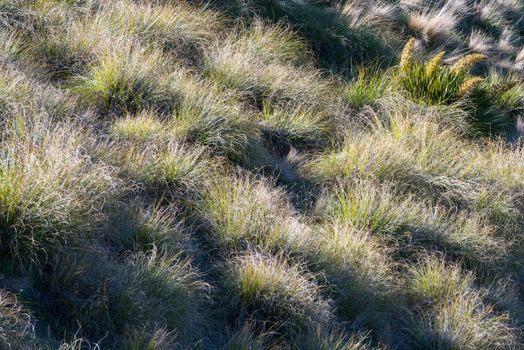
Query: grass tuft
[458,316]
[125,82]
[50,191]
[275,294]
[247,212]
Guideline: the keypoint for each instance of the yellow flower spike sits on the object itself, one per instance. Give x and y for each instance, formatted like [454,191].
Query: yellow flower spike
[466,62]
[435,63]
[469,85]
[407,53]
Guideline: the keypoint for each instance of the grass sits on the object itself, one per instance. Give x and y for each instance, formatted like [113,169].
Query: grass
[269,290]
[435,84]
[369,86]
[331,37]
[181,28]
[143,228]
[299,127]
[121,83]
[261,72]
[461,317]
[421,155]
[212,119]
[17,323]
[244,174]
[142,127]
[336,340]
[359,272]
[410,223]
[174,167]
[48,188]
[122,298]
[247,212]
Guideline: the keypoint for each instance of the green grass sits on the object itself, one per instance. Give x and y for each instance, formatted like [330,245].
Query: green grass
[244,174]
[461,318]
[359,272]
[175,167]
[121,82]
[332,38]
[181,28]
[300,127]
[274,294]
[203,118]
[411,224]
[260,72]
[370,85]
[491,107]
[244,211]
[50,193]
[142,127]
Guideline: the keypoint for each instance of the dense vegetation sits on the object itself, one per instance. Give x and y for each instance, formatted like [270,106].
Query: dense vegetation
[261,174]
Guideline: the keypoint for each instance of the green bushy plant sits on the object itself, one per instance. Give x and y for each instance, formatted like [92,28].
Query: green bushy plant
[491,109]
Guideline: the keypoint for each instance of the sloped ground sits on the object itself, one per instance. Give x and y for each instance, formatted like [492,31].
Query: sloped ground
[248,174]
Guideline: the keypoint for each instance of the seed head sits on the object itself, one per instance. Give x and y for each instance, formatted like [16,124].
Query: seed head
[407,53]
[435,63]
[466,62]
[469,85]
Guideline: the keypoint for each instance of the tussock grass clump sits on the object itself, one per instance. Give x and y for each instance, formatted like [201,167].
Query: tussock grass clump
[416,153]
[175,292]
[435,26]
[261,72]
[180,28]
[243,211]
[335,340]
[334,40]
[458,316]
[50,191]
[275,294]
[272,43]
[142,127]
[412,225]
[247,174]
[152,289]
[357,264]
[21,94]
[369,86]
[70,45]
[367,207]
[264,81]
[78,289]
[125,81]
[204,114]
[143,228]
[159,339]
[245,338]
[197,113]
[174,166]
[370,14]
[299,127]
